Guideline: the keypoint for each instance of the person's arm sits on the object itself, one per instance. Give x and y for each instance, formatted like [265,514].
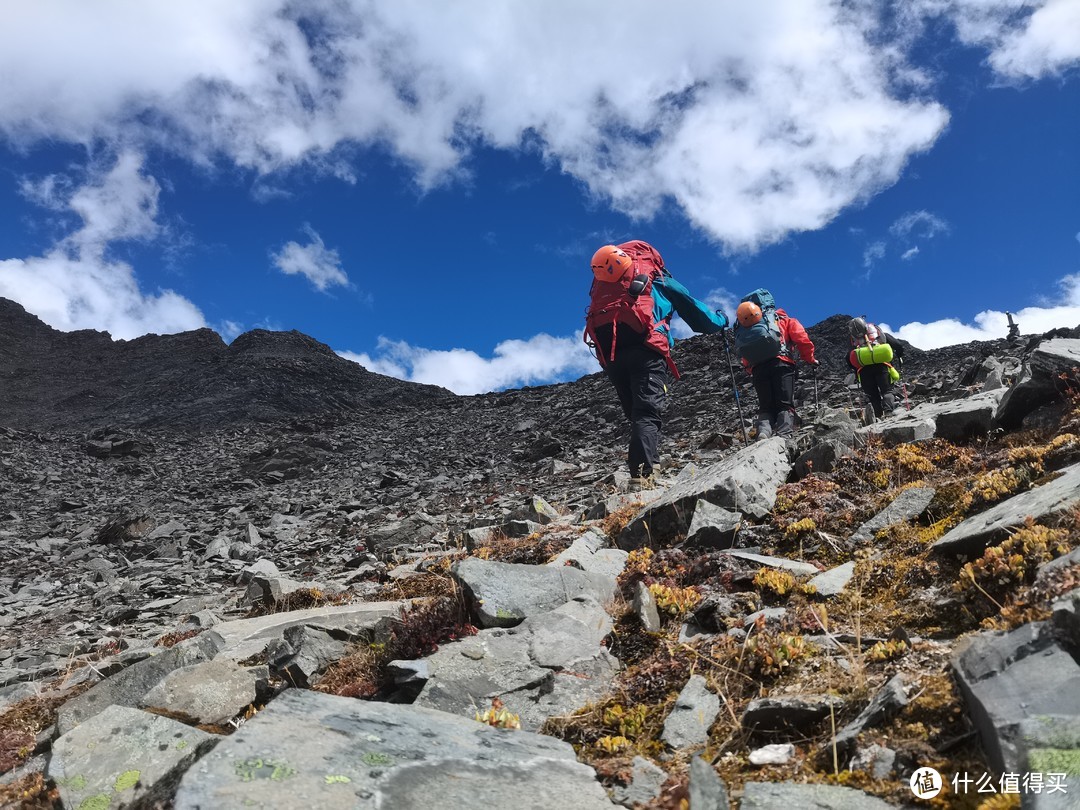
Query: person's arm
[797,337]
[698,316]
[897,347]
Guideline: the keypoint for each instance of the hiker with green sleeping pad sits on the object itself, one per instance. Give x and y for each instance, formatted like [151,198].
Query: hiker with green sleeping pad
[876,358]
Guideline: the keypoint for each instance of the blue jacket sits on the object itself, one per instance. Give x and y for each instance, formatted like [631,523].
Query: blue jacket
[669,297]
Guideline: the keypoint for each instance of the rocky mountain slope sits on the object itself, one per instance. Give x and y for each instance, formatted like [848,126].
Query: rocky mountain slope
[227,551]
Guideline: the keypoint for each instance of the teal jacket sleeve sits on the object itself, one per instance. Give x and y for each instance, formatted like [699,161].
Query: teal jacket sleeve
[697,315]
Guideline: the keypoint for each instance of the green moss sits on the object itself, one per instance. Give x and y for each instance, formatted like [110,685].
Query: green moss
[337,779]
[1055,760]
[98,802]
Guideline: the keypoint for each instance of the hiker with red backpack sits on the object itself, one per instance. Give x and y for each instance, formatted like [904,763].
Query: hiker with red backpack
[876,359]
[628,324]
[767,340]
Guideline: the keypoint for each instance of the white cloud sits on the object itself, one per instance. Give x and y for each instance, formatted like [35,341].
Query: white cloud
[75,285]
[756,119]
[874,253]
[540,359]
[1027,39]
[918,224]
[319,265]
[992,325]
[909,254]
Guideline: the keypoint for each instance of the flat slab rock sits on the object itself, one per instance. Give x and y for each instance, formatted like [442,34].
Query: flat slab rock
[971,537]
[788,796]
[307,749]
[244,638]
[122,756]
[907,505]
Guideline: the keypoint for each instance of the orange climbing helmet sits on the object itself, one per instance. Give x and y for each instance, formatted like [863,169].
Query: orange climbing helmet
[610,263]
[748,314]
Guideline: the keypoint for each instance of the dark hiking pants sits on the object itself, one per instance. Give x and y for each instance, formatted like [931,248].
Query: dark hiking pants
[877,386]
[774,382]
[640,377]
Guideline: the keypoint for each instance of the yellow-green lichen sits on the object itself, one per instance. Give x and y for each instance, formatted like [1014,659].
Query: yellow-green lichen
[128,779]
[1055,760]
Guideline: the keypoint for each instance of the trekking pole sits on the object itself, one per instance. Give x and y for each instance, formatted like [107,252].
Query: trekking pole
[907,403]
[817,407]
[734,388]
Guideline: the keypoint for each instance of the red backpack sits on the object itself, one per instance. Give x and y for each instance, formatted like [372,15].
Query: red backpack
[612,303]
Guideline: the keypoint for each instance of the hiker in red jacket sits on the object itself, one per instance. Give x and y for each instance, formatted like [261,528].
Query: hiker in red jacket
[628,323]
[767,340]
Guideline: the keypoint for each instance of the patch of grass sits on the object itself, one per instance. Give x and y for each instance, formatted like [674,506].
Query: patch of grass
[31,792]
[172,639]
[363,672]
[23,721]
[535,549]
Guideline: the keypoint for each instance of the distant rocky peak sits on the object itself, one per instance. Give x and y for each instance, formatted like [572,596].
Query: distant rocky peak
[264,343]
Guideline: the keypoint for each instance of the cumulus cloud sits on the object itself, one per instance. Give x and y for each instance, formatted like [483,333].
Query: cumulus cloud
[318,264]
[756,119]
[992,325]
[75,284]
[914,226]
[540,359]
[1027,39]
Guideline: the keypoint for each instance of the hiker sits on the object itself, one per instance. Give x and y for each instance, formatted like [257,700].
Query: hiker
[766,340]
[628,325]
[876,358]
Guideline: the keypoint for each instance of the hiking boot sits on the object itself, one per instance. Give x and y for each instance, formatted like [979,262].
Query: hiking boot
[785,423]
[763,428]
[868,416]
[642,483]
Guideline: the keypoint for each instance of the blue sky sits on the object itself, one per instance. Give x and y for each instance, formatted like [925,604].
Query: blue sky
[420,185]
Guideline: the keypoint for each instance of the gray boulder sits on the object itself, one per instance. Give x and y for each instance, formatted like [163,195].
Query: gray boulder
[645,608]
[832,582]
[774,795]
[1040,381]
[551,664]
[971,537]
[956,420]
[646,780]
[340,749]
[210,692]
[687,726]
[908,505]
[744,482]
[302,654]
[506,593]
[1007,678]
[123,757]
[128,686]
[707,789]
[591,553]
[788,714]
[712,526]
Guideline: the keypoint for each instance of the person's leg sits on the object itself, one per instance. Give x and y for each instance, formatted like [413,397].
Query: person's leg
[868,379]
[619,374]
[649,380]
[763,386]
[885,388]
[784,393]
